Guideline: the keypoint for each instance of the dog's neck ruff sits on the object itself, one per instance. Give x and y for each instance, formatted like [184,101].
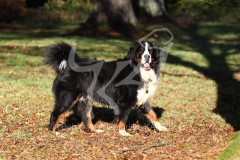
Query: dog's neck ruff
[147,91]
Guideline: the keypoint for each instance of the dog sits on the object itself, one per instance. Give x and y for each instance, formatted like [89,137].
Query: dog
[125,84]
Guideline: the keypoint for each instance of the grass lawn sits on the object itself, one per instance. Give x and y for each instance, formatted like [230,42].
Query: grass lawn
[232,151]
[197,98]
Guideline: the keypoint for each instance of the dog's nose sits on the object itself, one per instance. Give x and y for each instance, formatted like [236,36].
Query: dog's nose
[147,57]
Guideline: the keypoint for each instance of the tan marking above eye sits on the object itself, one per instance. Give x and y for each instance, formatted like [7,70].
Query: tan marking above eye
[138,59]
[142,49]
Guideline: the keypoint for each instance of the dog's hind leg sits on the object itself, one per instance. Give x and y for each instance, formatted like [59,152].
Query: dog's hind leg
[63,103]
[86,112]
[151,115]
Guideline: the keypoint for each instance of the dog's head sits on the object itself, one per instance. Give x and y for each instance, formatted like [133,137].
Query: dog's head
[146,55]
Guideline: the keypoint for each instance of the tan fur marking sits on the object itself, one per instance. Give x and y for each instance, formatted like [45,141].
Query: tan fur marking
[55,126]
[89,118]
[63,117]
[138,59]
[152,116]
[121,125]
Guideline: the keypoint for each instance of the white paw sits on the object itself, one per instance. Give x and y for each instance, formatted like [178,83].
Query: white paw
[99,131]
[124,133]
[159,127]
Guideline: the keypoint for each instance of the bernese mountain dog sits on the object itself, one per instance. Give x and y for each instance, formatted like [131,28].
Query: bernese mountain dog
[124,84]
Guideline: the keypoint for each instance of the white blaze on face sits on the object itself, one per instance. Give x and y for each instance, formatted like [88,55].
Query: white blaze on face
[146,64]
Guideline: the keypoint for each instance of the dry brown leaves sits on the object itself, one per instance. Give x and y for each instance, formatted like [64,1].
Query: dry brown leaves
[190,142]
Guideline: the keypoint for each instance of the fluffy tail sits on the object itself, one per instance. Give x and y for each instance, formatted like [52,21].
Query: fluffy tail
[57,56]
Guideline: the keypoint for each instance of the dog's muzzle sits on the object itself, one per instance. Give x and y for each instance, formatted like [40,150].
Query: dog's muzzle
[146,58]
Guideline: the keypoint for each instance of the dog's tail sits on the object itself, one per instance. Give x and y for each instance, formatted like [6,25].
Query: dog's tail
[57,56]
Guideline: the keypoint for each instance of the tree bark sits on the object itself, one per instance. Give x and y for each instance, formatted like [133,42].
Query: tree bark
[118,14]
[153,7]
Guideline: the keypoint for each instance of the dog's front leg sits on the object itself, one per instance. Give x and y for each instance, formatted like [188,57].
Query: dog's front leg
[151,115]
[122,120]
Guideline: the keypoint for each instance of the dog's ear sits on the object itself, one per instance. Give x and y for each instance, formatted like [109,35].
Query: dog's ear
[132,51]
[158,53]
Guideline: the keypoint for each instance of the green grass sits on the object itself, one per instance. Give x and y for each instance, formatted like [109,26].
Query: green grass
[190,89]
[232,151]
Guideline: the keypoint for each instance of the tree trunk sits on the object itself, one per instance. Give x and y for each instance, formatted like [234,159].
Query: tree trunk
[117,14]
[121,15]
[153,7]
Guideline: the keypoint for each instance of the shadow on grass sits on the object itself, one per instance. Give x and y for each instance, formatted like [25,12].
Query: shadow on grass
[22,30]
[105,114]
[228,101]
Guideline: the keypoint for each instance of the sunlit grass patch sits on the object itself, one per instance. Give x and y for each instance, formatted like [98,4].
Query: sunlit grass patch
[232,151]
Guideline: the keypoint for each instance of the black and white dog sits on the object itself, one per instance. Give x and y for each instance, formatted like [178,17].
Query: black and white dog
[124,84]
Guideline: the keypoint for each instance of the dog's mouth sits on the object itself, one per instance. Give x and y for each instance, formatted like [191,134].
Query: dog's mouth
[146,66]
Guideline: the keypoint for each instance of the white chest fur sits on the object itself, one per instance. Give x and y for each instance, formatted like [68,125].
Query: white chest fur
[150,81]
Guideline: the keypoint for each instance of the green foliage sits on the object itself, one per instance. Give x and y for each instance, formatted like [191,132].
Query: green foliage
[67,11]
[70,6]
[205,10]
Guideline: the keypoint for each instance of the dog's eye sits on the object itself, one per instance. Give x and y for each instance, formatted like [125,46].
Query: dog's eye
[150,50]
[142,49]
